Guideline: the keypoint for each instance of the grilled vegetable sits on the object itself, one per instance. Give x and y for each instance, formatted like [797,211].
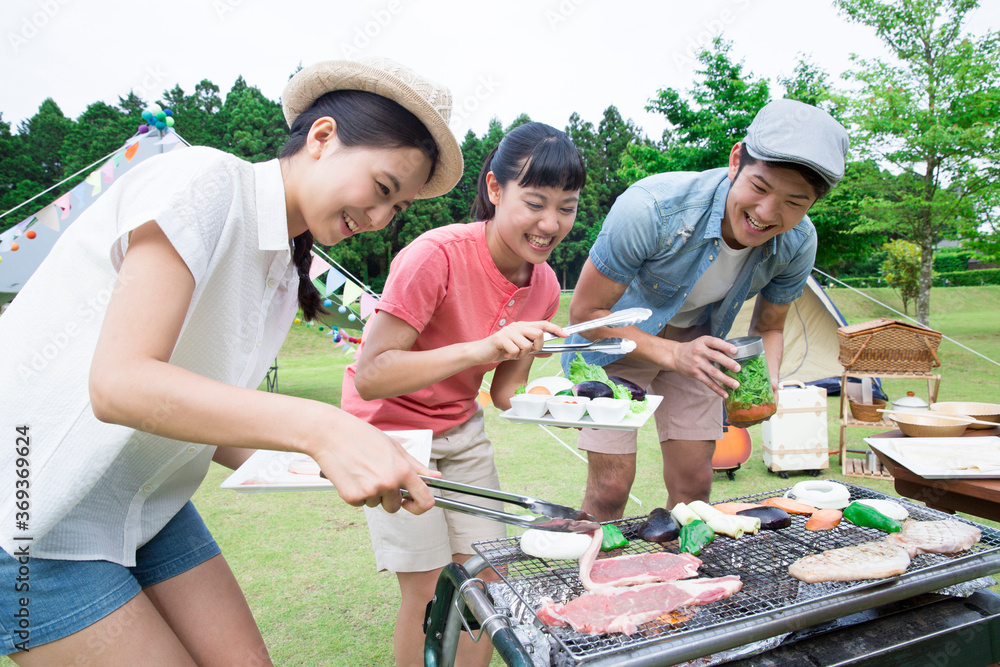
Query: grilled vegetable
[727,524]
[593,389]
[638,393]
[771,518]
[824,520]
[612,538]
[789,505]
[683,515]
[734,508]
[867,516]
[694,536]
[659,527]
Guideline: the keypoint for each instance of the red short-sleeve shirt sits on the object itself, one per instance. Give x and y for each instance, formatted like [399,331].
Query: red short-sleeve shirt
[446,286]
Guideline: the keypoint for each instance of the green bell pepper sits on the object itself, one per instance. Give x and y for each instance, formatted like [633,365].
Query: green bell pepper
[865,515]
[612,537]
[694,536]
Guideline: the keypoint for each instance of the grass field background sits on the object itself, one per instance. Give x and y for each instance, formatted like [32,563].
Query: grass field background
[304,559]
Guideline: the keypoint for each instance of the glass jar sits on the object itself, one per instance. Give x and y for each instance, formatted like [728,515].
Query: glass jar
[753,401]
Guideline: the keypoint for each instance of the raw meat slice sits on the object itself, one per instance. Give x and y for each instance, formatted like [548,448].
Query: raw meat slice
[624,609]
[636,569]
[871,560]
[935,537]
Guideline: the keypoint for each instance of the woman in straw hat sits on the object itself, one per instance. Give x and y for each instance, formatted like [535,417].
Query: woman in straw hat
[461,301]
[176,290]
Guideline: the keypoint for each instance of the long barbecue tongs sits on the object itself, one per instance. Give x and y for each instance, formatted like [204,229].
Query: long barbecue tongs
[546,515]
[622,318]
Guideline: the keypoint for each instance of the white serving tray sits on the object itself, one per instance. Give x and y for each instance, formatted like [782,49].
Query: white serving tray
[267,470]
[629,423]
[943,458]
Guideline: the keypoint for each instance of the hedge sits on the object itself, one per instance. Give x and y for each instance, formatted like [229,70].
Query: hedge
[947,279]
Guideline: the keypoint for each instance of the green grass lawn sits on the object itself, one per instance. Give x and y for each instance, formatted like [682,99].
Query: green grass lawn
[304,559]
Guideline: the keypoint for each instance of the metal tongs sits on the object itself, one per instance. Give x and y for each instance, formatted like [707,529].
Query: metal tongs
[611,345]
[547,516]
[622,318]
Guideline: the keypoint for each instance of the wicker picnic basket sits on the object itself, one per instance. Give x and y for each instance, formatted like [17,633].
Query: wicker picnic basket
[888,346]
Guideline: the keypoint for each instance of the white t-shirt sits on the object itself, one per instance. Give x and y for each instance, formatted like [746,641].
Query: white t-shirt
[712,286]
[100,491]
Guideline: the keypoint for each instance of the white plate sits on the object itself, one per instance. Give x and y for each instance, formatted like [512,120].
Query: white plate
[630,422]
[266,470]
[944,458]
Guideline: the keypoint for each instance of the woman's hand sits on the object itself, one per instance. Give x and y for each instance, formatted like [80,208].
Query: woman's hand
[369,467]
[516,341]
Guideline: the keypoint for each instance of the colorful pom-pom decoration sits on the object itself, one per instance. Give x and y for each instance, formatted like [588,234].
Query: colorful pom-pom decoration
[31,234]
[342,309]
[14,246]
[351,317]
[143,129]
[156,116]
[298,321]
[327,303]
[169,121]
[321,327]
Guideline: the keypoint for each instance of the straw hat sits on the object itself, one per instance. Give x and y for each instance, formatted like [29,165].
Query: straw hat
[427,100]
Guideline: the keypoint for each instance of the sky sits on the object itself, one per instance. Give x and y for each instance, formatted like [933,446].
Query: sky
[546,58]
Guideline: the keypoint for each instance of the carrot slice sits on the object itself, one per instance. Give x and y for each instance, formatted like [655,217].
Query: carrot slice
[733,508]
[824,520]
[789,505]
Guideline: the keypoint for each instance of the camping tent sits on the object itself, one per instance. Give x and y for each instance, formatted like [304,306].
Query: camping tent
[47,224]
[811,345]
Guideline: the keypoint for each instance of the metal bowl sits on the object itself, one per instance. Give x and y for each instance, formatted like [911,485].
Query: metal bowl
[989,412]
[926,425]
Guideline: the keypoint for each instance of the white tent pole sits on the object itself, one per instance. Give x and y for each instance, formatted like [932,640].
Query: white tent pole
[964,347]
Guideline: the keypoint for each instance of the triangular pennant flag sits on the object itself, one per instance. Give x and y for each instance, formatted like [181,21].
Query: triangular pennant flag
[320,285]
[118,159]
[20,227]
[351,292]
[64,204]
[94,181]
[48,217]
[80,194]
[368,303]
[108,170]
[131,150]
[484,398]
[318,266]
[334,279]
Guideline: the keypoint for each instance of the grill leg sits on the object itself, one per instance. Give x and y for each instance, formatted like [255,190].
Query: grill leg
[444,623]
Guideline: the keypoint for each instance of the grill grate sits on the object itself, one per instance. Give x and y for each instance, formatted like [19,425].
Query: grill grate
[760,560]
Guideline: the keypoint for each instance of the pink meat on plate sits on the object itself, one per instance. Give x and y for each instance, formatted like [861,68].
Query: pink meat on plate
[624,609]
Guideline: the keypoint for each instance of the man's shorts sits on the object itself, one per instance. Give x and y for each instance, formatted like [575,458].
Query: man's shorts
[689,410]
[404,542]
[65,596]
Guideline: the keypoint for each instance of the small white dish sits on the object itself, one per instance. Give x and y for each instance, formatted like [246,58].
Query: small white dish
[567,408]
[608,410]
[531,406]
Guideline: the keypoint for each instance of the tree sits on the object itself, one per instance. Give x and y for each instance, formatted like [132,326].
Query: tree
[252,126]
[901,269]
[100,129]
[702,132]
[43,135]
[931,115]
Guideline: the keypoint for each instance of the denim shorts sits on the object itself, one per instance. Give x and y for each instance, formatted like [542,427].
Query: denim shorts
[65,596]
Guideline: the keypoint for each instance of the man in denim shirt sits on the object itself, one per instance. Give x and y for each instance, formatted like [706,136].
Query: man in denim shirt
[692,247]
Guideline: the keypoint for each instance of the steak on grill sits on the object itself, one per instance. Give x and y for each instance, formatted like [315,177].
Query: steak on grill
[644,568]
[624,609]
[935,537]
[871,560]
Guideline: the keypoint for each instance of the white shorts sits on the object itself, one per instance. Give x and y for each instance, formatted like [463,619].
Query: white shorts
[404,542]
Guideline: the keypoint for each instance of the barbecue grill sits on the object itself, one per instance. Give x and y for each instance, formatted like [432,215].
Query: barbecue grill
[771,603]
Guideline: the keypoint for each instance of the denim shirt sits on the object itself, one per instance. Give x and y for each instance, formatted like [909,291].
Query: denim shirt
[664,232]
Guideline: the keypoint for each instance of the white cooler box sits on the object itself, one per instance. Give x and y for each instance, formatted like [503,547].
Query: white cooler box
[795,438]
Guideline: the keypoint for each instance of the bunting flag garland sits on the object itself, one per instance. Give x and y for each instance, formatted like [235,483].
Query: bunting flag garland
[318,266]
[20,227]
[368,303]
[334,279]
[48,217]
[108,170]
[94,181]
[352,291]
[131,150]
[64,203]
